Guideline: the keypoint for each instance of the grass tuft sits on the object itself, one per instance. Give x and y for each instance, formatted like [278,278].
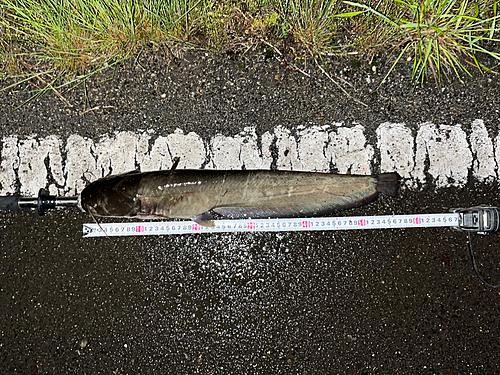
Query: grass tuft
[439,36]
[78,38]
[311,22]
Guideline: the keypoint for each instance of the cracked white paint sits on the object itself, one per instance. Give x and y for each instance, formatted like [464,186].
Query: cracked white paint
[442,155]
[189,147]
[9,163]
[497,153]
[267,158]
[225,153]
[142,154]
[396,145]
[158,158]
[287,150]
[348,150]
[251,156]
[32,171]
[484,166]
[116,154]
[238,152]
[312,149]
[81,166]
[448,153]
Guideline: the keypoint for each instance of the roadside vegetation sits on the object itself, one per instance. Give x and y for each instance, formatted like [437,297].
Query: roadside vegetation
[62,42]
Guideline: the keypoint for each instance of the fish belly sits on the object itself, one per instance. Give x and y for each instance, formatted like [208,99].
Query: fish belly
[289,194]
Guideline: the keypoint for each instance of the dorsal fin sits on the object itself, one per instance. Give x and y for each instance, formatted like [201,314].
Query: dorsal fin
[175,164]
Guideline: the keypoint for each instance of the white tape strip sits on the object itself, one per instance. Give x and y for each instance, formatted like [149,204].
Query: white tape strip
[272,225]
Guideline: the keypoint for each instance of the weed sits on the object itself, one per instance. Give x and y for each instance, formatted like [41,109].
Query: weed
[439,36]
[79,38]
[310,21]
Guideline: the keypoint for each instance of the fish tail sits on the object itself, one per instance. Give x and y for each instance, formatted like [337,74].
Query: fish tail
[388,183]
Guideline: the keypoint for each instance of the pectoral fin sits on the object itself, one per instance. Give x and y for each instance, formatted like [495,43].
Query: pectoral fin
[206,219]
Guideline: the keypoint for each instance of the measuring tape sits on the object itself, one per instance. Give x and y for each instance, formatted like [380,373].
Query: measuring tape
[272,225]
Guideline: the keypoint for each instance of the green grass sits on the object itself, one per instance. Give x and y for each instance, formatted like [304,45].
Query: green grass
[440,36]
[73,39]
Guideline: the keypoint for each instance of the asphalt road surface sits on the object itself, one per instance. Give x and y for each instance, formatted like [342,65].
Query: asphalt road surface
[353,302]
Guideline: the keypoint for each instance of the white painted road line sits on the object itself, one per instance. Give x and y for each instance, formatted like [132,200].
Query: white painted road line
[449,155]
[445,153]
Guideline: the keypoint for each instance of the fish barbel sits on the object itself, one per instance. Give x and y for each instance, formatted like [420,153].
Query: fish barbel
[198,194]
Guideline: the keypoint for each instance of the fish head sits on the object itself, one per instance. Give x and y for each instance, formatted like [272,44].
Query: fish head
[112,196]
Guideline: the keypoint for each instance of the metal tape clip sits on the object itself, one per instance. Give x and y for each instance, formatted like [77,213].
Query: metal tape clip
[479,219]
